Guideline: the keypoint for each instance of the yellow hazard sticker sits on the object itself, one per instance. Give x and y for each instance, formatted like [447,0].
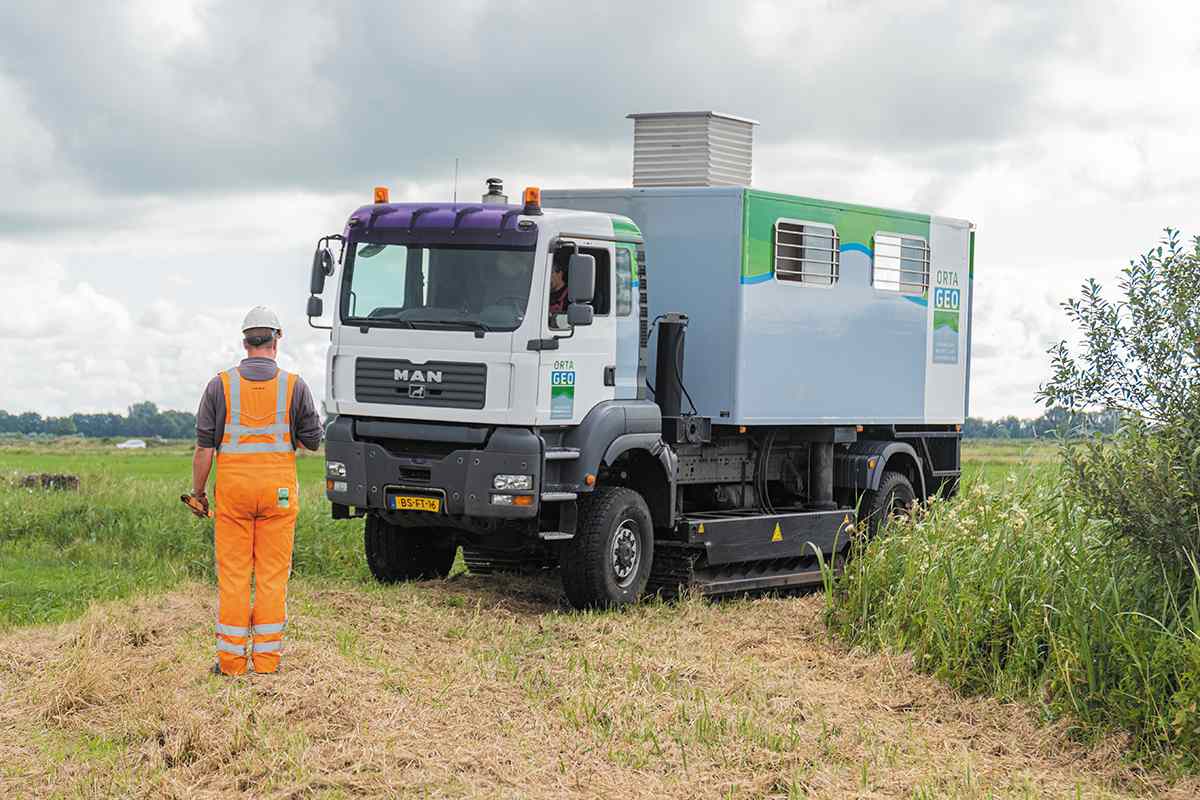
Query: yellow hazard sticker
[700,530]
[777,536]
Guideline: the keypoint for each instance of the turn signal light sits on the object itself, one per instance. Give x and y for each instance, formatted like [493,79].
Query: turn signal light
[381,194]
[523,500]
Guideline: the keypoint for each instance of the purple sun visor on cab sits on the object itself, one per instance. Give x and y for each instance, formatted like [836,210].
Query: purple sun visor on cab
[472,224]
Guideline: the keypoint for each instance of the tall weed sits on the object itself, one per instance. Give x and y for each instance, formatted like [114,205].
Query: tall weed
[1014,591]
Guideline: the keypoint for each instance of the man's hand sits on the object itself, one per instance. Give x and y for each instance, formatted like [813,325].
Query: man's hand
[197,503]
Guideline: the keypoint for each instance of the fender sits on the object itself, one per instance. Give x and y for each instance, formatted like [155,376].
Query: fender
[854,469]
[609,429]
[651,442]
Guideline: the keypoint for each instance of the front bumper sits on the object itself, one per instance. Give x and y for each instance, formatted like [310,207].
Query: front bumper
[385,457]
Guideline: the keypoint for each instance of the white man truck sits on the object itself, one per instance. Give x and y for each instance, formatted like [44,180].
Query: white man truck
[811,365]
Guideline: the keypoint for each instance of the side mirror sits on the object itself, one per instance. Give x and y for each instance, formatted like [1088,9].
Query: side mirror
[579,313]
[316,306]
[581,279]
[322,267]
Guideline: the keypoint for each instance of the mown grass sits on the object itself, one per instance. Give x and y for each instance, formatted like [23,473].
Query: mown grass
[1011,590]
[490,687]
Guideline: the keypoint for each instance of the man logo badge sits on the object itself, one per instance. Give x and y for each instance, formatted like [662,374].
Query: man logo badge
[417,376]
[416,392]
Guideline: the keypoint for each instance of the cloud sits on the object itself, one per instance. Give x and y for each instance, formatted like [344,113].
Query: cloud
[214,96]
[168,164]
[66,346]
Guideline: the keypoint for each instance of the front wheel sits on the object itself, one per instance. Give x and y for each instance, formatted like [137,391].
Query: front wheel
[608,562]
[407,554]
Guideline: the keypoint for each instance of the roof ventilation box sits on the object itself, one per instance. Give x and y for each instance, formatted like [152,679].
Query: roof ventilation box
[692,148]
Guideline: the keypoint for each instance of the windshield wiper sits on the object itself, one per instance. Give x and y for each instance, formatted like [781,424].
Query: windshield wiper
[366,323]
[470,324]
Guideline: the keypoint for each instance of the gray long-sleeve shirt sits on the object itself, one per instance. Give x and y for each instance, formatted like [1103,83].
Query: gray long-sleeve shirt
[210,418]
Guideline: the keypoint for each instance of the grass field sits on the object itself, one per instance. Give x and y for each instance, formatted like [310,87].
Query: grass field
[125,531]
[474,686]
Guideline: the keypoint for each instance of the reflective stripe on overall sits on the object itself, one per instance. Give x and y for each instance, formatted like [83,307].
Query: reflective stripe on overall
[256,507]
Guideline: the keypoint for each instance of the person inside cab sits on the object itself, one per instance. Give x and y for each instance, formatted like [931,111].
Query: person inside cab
[558,288]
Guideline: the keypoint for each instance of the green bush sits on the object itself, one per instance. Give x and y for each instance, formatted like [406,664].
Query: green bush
[1143,483]
[1015,592]
[1139,356]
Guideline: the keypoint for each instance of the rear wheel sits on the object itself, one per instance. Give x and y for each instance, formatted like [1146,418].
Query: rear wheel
[405,554]
[608,562]
[895,495]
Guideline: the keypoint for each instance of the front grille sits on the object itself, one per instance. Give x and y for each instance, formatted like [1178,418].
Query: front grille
[435,384]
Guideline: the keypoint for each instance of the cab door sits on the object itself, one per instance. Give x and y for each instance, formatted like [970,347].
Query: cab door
[581,371]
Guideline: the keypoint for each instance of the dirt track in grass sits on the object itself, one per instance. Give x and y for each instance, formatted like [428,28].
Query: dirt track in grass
[489,687]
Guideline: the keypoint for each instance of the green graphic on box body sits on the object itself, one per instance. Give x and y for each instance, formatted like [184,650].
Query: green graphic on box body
[945,319]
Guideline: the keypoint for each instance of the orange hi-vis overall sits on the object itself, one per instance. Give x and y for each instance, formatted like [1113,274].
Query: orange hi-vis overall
[257,503]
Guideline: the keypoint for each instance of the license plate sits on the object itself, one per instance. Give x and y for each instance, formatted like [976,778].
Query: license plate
[407,502]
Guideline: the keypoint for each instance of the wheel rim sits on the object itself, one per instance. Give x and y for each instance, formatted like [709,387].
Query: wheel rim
[899,507]
[625,555]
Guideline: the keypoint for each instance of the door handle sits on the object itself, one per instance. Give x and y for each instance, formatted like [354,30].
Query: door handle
[610,376]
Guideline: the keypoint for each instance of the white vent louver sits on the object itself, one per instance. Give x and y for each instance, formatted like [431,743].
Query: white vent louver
[692,148]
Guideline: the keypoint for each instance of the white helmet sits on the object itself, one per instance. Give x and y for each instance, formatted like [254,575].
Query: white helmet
[261,317]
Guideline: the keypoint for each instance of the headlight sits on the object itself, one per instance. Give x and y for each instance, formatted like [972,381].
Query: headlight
[516,483]
[502,499]
[335,469]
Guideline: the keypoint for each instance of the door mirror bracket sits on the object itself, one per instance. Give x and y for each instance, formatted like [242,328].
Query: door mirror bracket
[322,268]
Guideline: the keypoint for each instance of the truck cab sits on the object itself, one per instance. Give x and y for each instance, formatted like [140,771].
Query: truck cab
[465,406]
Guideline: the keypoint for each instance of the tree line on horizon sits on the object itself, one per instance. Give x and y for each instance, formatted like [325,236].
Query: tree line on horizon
[146,419]
[1054,423]
[143,420]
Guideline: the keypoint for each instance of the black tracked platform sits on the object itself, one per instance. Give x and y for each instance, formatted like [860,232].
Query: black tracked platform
[723,554]
[680,568]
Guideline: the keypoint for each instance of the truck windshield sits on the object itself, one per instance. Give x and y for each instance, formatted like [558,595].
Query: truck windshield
[436,286]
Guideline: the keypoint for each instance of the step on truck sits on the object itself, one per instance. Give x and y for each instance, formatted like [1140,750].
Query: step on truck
[680,385]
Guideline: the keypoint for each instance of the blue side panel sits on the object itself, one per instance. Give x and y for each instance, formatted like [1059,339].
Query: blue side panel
[693,265]
[843,354]
[764,351]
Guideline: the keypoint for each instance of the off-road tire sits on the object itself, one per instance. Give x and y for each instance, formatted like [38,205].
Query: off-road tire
[610,519]
[894,495]
[406,554]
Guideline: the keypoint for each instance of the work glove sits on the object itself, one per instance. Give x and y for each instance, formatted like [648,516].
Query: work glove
[197,503]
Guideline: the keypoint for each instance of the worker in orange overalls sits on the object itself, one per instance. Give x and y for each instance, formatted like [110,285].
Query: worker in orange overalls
[252,417]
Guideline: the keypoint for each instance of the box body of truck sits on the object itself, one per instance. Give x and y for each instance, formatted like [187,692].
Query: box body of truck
[839,342]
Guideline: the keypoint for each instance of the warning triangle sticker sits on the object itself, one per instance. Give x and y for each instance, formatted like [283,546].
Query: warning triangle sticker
[777,536]
[700,530]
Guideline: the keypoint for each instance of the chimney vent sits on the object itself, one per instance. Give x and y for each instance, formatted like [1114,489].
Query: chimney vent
[495,192]
[692,148]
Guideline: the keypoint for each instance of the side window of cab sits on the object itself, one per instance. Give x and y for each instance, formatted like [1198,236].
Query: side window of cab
[558,298]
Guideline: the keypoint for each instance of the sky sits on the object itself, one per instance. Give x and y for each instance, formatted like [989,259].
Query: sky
[166,165]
